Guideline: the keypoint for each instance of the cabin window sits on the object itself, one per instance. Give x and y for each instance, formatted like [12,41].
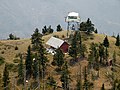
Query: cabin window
[72,17]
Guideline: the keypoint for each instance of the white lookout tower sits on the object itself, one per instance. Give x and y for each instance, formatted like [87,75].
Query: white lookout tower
[73,20]
[73,17]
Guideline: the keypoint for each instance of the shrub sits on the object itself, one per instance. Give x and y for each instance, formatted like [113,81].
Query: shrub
[2,60]
[16,48]
[12,67]
[16,60]
[2,52]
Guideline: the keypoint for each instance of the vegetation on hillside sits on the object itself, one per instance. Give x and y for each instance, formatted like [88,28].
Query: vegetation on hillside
[92,62]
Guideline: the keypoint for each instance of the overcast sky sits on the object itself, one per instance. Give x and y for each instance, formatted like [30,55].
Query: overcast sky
[21,17]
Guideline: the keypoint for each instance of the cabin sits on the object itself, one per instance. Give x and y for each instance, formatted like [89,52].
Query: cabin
[55,43]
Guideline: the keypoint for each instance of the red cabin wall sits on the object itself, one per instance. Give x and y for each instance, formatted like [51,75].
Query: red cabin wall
[65,47]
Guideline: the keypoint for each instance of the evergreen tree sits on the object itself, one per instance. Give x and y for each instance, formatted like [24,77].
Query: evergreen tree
[51,82]
[36,39]
[96,31]
[73,50]
[20,71]
[42,62]
[44,30]
[79,80]
[103,87]
[87,26]
[49,29]
[28,63]
[6,80]
[86,82]
[65,77]
[106,42]
[117,41]
[11,36]
[59,28]
[58,58]
[101,53]
[78,85]
[93,56]
[35,68]
[106,55]
[83,49]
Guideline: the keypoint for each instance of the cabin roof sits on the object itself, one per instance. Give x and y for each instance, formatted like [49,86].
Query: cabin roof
[73,14]
[55,42]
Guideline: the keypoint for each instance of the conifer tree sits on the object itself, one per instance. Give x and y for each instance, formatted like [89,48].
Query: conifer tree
[101,53]
[28,63]
[103,87]
[79,80]
[44,30]
[106,42]
[65,77]
[96,31]
[6,80]
[35,68]
[20,71]
[86,82]
[58,58]
[87,26]
[51,82]
[117,41]
[78,85]
[49,29]
[106,55]
[73,50]
[36,39]
[42,58]
[59,28]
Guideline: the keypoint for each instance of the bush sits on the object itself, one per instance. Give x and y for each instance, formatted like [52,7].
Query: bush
[16,60]
[16,48]
[2,52]
[2,60]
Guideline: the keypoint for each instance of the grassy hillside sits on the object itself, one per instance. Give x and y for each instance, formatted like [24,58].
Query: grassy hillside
[7,51]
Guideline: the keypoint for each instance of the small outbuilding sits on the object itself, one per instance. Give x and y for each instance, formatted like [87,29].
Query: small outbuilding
[55,43]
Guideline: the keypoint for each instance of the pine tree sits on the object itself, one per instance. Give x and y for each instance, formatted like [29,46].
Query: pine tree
[51,82]
[42,61]
[73,50]
[42,58]
[36,39]
[106,42]
[49,29]
[101,53]
[117,41]
[20,71]
[35,68]
[58,58]
[103,87]
[86,82]
[96,31]
[44,30]
[28,63]
[65,77]
[106,55]
[87,26]
[6,80]
[79,80]
[59,28]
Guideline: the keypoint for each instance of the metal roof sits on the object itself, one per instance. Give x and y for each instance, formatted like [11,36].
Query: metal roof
[55,42]
[73,14]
